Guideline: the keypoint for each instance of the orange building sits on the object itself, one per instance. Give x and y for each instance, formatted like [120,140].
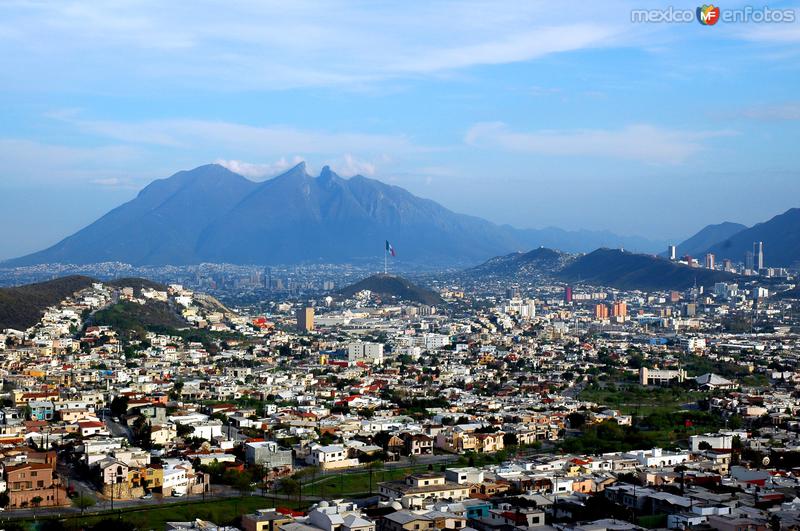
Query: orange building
[34,484]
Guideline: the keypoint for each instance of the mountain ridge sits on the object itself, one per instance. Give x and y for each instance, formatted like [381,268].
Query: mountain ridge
[780,235]
[211,214]
[709,235]
[624,270]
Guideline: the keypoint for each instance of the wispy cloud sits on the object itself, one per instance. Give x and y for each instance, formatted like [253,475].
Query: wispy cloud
[777,112]
[220,135]
[269,45]
[643,143]
[29,161]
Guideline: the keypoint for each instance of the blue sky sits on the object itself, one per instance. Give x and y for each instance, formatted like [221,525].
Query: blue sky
[528,113]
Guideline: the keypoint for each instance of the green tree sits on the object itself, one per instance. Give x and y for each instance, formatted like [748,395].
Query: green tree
[119,405]
[290,487]
[35,501]
[83,501]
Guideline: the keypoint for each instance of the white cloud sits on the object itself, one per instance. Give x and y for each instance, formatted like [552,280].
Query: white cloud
[348,165]
[259,170]
[643,143]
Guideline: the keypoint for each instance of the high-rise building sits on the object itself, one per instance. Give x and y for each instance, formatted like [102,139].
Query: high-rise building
[620,309]
[672,252]
[568,294]
[305,319]
[748,260]
[758,253]
[601,311]
[710,261]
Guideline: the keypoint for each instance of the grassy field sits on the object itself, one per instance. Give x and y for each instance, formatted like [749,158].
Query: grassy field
[637,400]
[354,483]
[155,516]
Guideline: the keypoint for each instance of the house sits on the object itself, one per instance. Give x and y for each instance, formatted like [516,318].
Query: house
[162,434]
[417,444]
[267,454]
[112,471]
[464,475]
[32,484]
[88,428]
[330,456]
[406,521]
[332,516]
[41,409]
[265,520]
[419,487]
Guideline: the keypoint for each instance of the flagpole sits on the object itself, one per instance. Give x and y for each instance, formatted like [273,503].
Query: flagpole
[385,260]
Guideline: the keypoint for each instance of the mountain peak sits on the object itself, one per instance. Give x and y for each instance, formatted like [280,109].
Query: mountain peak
[298,171]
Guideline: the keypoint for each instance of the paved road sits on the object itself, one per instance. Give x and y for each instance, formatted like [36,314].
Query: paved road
[116,429]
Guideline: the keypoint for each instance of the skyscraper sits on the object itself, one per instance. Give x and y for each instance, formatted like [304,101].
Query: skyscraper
[672,252]
[710,262]
[305,319]
[568,294]
[758,253]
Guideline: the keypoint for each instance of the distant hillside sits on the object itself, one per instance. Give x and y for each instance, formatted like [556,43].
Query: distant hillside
[23,306]
[540,261]
[210,214]
[389,286]
[137,318]
[624,270]
[709,235]
[781,237]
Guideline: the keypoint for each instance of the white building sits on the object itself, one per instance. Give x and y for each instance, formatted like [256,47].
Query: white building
[330,456]
[658,457]
[365,352]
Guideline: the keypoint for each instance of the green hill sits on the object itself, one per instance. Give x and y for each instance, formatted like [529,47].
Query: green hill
[389,287]
[23,306]
[623,270]
[127,316]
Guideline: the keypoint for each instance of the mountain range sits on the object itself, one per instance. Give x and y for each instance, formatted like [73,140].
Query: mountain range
[780,235]
[211,214]
[699,243]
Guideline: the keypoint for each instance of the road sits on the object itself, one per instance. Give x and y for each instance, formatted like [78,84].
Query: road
[116,429]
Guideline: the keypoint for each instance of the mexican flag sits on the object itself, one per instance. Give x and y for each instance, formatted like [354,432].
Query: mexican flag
[390,249]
